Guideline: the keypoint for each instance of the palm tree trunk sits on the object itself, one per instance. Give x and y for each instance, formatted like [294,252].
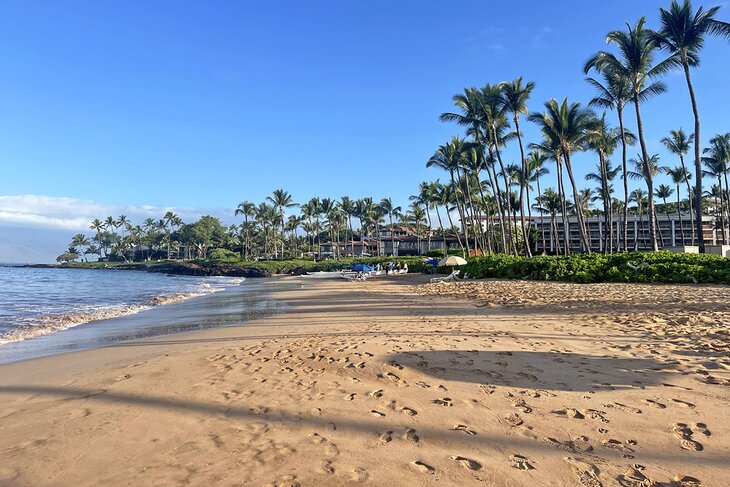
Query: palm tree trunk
[542,217]
[448,214]
[679,215]
[461,213]
[625,178]
[697,203]
[689,198]
[523,183]
[441,226]
[648,176]
[578,208]
[564,210]
[506,187]
[498,196]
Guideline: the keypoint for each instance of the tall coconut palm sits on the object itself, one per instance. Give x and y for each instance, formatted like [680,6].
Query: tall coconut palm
[636,50]
[552,203]
[679,175]
[123,223]
[679,143]
[682,34]
[603,139]
[552,148]
[568,124]
[648,169]
[664,191]
[281,200]
[639,197]
[81,242]
[423,199]
[717,161]
[347,206]
[387,206]
[613,93]
[449,158]
[514,99]
[536,169]
[247,210]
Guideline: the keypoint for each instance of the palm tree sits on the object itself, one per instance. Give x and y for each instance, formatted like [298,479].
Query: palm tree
[613,94]
[552,203]
[347,206]
[636,47]
[247,209]
[552,148]
[80,241]
[536,169]
[386,205]
[416,216]
[423,199]
[603,139]
[449,157]
[679,143]
[123,222]
[664,191]
[515,96]
[281,200]
[639,197]
[567,124]
[682,34]
[648,169]
[110,223]
[717,160]
[680,175]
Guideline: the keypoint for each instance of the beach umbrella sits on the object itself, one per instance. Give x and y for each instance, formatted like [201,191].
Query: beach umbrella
[361,268]
[453,261]
[432,262]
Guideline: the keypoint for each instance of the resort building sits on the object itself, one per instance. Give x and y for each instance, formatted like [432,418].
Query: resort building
[673,232]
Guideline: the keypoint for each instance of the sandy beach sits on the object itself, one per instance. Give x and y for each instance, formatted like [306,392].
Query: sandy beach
[396,382]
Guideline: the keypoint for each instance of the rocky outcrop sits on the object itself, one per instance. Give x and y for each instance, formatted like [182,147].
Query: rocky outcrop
[189,269]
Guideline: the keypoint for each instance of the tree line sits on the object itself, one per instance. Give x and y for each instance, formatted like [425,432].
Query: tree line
[481,186]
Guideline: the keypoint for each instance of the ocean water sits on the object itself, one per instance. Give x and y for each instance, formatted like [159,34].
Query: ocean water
[47,311]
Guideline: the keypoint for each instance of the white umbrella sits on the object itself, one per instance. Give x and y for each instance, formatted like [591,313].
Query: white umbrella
[452,260]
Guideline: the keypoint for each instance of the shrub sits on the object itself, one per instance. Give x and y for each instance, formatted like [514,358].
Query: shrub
[660,266]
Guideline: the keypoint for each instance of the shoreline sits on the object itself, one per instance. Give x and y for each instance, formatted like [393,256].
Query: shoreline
[162,315]
[389,383]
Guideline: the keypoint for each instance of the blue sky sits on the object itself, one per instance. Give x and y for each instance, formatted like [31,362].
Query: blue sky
[199,105]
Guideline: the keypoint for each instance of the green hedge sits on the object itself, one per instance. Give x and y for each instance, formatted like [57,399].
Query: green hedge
[584,268]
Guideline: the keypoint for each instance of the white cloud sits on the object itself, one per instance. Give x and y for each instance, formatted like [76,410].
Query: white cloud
[51,212]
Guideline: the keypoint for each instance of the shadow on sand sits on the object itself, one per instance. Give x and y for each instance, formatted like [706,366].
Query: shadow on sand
[537,370]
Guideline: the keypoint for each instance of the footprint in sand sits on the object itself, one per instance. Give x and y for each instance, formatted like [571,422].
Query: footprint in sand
[467,462]
[422,467]
[408,411]
[519,462]
[701,428]
[634,477]
[465,429]
[316,438]
[386,437]
[654,403]
[422,384]
[411,436]
[569,413]
[683,403]
[359,475]
[522,406]
[393,377]
[587,473]
[327,467]
[349,397]
[377,413]
[514,419]
[687,481]
[376,393]
[445,401]
[616,445]
[684,434]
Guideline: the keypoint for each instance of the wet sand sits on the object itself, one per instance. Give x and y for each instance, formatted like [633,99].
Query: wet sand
[395,382]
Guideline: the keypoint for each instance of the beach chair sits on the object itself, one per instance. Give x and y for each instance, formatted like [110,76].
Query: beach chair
[451,277]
